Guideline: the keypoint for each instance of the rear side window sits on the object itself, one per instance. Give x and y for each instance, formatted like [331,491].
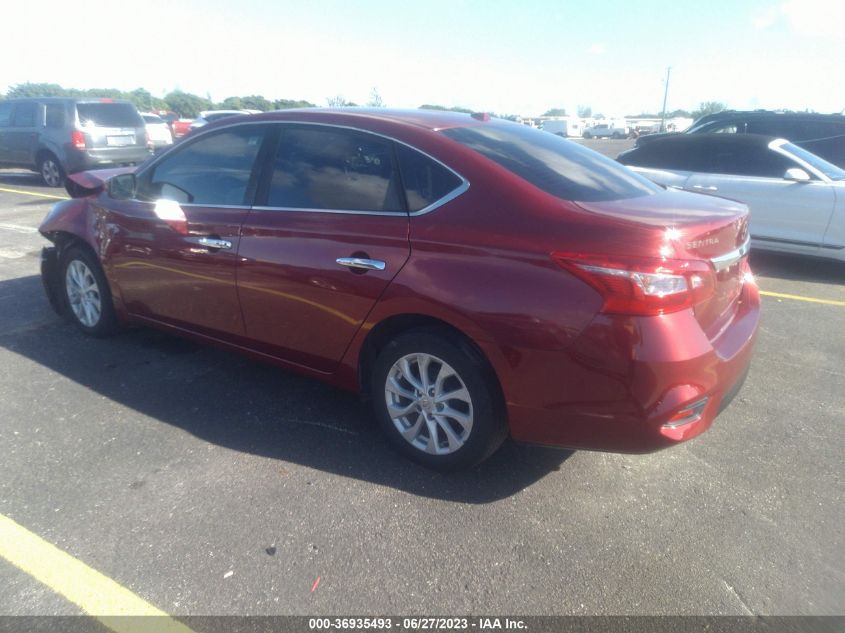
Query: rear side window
[215,169]
[745,160]
[5,114]
[426,181]
[330,168]
[55,115]
[559,167]
[108,115]
[24,115]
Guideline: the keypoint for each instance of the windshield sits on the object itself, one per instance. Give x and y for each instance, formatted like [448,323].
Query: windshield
[557,166]
[831,171]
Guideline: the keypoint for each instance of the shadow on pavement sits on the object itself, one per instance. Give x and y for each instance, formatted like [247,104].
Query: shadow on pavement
[797,267]
[234,402]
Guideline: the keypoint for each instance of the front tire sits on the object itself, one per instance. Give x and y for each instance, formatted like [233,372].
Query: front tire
[87,297]
[51,171]
[438,401]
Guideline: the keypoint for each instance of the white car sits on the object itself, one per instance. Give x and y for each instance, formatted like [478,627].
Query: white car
[797,199]
[208,116]
[157,130]
[611,129]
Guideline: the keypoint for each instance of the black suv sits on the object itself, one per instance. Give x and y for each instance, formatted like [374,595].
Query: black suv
[58,136]
[821,134]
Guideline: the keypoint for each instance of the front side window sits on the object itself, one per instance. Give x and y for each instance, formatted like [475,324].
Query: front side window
[24,115]
[331,168]
[425,180]
[557,166]
[215,169]
[831,171]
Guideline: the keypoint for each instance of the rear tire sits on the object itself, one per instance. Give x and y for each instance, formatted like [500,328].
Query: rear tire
[438,401]
[86,294]
[51,171]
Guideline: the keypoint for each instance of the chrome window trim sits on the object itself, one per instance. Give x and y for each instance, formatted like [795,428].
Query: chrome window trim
[457,191]
[729,259]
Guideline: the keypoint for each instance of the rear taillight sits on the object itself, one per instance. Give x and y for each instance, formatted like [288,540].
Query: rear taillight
[642,286]
[77,139]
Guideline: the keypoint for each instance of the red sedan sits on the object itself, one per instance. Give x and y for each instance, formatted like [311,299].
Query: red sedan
[475,278]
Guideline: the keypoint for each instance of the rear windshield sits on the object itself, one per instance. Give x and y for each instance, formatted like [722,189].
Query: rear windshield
[152,118]
[108,115]
[557,166]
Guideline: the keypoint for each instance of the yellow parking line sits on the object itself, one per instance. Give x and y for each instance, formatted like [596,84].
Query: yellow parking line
[780,295]
[96,594]
[34,193]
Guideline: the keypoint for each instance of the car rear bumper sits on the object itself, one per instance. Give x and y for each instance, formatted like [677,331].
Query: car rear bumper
[620,385]
[100,158]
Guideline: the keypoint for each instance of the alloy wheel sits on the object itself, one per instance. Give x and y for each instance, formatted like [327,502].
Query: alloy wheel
[83,293]
[429,403]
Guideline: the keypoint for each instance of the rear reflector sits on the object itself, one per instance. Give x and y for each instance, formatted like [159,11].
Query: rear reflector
[642,286]
[687,415]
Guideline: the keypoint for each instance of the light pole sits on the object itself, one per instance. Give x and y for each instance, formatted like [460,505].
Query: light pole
[665,95]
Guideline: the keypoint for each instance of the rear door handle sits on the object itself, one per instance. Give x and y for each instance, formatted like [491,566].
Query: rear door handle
[211,242]
[705,187]
[361,263]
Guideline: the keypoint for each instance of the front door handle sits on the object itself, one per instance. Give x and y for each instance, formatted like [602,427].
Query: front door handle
[705,188]
[361,263]
[211,242]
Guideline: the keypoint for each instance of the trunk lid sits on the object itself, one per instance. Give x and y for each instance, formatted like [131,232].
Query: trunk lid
[690,226]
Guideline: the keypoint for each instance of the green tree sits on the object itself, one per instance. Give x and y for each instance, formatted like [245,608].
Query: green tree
[284,104]
[708,107]
[256,102]
[555,112]
[338,101]
[186,104]
[230,103]
[36,90]
[585,111]
[428,106]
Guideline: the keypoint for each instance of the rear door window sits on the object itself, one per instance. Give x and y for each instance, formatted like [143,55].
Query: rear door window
[747,160]
[318,167]
[108,115]
[425,180]
[24,114]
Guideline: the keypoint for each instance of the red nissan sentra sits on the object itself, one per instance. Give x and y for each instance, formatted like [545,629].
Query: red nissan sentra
[474,277]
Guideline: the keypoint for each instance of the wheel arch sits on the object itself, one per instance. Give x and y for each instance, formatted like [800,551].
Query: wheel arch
[390,327]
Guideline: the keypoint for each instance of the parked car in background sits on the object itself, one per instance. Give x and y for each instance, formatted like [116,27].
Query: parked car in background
[568,126]
[476,278]
[157,130]
[209,116]
[797,199]
[821,134]
[609,129]
[58,136]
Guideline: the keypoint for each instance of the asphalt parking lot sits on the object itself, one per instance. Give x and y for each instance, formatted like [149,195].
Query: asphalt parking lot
[206,483]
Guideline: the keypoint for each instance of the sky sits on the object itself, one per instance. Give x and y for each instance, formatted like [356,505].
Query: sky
[508,57]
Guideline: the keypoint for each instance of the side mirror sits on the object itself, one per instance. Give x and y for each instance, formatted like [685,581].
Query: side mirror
[796,174]
[122,187]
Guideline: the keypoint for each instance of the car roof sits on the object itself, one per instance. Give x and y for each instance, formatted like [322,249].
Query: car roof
[766,114]
[426,119]
[709,138]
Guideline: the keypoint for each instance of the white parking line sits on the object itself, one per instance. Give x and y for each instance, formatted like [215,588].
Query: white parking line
[18,228]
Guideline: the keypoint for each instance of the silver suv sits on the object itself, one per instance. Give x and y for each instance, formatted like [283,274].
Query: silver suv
[59,136]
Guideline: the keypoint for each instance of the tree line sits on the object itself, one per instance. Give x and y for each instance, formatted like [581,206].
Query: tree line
[183,103]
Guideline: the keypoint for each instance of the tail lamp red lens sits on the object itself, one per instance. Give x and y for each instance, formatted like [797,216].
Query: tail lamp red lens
[77,139]
[642,286]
